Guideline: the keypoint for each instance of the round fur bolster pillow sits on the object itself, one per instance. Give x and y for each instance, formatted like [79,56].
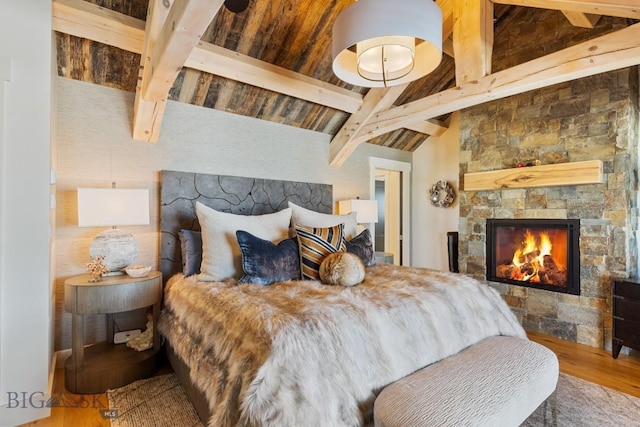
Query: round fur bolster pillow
[342,269]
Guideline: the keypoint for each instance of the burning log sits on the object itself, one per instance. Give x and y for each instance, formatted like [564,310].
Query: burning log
[505,271]
[551,274]
[528,257]
[528,271]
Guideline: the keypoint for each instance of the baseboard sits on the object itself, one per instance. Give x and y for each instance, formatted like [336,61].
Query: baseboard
[53,364]
[61,356]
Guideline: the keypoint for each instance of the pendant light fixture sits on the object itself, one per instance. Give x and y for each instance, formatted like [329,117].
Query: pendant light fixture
[379,43]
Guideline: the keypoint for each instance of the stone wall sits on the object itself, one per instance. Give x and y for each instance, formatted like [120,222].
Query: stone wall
[590,118]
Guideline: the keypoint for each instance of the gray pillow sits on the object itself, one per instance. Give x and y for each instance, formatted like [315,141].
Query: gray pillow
[264,262]
[362,245]
[191,247]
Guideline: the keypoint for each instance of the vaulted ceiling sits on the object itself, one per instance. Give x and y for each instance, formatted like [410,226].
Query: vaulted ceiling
[273,62]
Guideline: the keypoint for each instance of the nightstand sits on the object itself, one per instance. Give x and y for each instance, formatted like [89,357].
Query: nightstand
[102,366]
[626,315]
[384,257]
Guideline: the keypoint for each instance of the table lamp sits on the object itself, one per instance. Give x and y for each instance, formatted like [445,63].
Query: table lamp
[113,207]
[366,210]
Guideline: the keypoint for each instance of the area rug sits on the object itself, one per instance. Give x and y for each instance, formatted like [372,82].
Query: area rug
[160,401]
[157,401]
[584,404]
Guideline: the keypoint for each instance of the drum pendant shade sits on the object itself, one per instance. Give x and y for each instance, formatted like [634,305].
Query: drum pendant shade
[379,43]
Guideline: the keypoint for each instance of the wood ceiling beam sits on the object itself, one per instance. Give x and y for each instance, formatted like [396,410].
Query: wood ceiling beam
[226,63]
[446,7]
[82,19]
[580,19]
[376,100]
[183,28]
[620,8]
[90,21]
[86,20]
[612,51]
[447,47]
[171,33]
[341,146]
[148,114]
[472,39]
[430,127]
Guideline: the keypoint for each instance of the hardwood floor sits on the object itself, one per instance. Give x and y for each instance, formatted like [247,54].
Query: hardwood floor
[594,364]
[588,363]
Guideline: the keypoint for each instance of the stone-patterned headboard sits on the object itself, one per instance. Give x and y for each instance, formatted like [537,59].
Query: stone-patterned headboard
[238,195]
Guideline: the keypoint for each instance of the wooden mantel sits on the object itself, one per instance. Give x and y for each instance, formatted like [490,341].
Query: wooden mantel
[587,172]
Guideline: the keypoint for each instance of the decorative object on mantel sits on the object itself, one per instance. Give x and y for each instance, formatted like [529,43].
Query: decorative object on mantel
[442,194]
[113,207]
[533,163]
[381,43]
[97,268]
[575,173]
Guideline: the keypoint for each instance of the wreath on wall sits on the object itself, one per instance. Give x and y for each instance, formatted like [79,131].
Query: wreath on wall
[442,194]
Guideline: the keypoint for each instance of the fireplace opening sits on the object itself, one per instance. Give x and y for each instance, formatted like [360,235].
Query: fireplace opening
[539,253]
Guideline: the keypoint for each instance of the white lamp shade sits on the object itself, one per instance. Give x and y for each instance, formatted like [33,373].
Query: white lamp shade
[366,210]
[390,24]
[112,206]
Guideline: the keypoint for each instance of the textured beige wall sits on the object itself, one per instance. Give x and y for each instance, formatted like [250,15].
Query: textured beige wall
[437,159]
[95,148]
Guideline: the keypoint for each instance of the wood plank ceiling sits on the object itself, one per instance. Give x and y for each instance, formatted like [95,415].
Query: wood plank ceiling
[273,62]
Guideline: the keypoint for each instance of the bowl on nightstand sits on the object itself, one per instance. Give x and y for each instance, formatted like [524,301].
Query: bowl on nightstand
[138,270]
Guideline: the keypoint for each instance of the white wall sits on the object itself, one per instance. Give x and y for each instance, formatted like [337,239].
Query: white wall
[436,159]
[25,310]
[95,148]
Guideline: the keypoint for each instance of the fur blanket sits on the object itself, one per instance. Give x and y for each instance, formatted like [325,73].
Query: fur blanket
[302,353]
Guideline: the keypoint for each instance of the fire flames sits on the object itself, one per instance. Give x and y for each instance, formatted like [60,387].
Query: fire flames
[531,256]
[533,262]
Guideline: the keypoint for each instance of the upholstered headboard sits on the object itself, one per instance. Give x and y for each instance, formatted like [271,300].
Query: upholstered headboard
[237,195]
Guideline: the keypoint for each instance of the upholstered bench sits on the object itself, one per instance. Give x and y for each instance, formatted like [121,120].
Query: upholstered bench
[499,381]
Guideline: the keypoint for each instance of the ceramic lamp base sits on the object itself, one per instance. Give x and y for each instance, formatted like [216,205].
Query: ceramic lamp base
[118,247]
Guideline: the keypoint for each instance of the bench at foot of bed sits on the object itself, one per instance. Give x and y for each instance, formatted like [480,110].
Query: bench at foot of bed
[499,381]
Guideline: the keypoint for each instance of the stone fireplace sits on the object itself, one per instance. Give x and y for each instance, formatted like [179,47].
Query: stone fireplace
[594,118]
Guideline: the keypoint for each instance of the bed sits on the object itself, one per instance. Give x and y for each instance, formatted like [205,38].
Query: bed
[299,352]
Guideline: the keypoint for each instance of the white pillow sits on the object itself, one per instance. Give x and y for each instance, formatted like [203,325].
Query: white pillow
[221,256]
[303,216]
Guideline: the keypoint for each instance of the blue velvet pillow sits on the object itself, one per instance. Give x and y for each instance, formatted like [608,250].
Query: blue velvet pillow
[362,245]
[264,262]
[191,247]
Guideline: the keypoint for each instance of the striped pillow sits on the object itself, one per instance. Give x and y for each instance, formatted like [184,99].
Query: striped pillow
[315,244]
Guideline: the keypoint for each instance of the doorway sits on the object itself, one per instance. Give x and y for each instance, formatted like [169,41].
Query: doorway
[390,187]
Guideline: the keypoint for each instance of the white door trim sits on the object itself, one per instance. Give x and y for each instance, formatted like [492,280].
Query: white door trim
[405,169]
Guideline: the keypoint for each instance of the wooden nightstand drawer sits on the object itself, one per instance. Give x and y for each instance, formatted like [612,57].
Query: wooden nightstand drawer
[626,310]
[627,290]
[626,315]
[627,332]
